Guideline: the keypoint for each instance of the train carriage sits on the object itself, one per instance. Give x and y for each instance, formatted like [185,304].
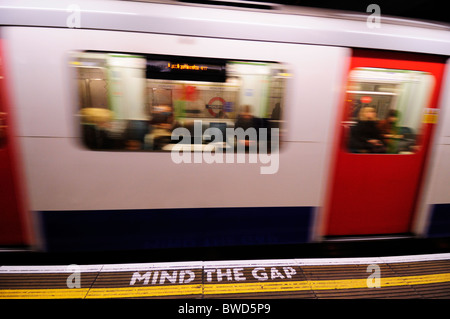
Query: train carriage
[92,93]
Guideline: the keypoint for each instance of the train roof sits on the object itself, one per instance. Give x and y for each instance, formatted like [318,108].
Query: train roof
[235,19]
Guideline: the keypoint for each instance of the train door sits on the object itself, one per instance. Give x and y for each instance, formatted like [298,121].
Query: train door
[12,222]
[383,136]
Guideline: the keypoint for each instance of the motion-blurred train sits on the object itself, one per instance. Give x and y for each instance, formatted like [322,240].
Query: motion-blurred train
[92,93]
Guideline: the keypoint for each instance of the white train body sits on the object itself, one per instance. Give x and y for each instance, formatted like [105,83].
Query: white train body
[62,177]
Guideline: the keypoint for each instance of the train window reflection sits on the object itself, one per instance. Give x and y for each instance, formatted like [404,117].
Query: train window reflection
[386,109]
[135,102]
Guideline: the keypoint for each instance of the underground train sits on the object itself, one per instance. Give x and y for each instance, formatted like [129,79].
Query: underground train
[122,124]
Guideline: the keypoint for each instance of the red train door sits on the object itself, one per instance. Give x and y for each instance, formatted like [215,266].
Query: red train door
[12,211]
[382,140]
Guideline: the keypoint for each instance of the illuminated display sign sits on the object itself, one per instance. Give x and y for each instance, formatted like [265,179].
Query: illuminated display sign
[186,68]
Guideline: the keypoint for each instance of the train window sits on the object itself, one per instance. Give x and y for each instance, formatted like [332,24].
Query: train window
[135,102]
[386,109]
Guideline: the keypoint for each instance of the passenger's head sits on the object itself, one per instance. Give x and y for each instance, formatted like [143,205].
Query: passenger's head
[162,109]
[246,111]
[392,116]
[162,114]
[368,113]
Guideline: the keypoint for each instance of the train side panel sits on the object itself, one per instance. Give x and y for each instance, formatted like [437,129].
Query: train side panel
[288,24]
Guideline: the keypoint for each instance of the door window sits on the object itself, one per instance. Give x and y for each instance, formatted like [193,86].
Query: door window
[386,109]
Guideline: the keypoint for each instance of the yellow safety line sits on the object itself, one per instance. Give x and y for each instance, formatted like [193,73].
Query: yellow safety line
[75,293]
[286,286]
[151,291]
[213,289]
[128,292]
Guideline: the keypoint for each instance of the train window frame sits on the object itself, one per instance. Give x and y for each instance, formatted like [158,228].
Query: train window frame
[382,116]
[164,90]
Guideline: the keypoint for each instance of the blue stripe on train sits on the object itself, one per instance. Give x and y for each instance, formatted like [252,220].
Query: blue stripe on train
[174,228]
[440,221]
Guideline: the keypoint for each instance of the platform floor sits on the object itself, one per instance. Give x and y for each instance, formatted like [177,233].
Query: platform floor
[415,276]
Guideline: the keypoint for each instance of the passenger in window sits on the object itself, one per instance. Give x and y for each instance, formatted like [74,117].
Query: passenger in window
[276,116]
[246,120]
[366,136]
[407,145]
[163,123]
[276,112]
[96,124]
[135,134]
[389,131]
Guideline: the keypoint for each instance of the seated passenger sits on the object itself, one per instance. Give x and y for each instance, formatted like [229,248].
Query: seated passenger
[96,124]
[407,144]
[365,135]
[135,134]
[275,116]
[163,123]
[389,131]
[246,120]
